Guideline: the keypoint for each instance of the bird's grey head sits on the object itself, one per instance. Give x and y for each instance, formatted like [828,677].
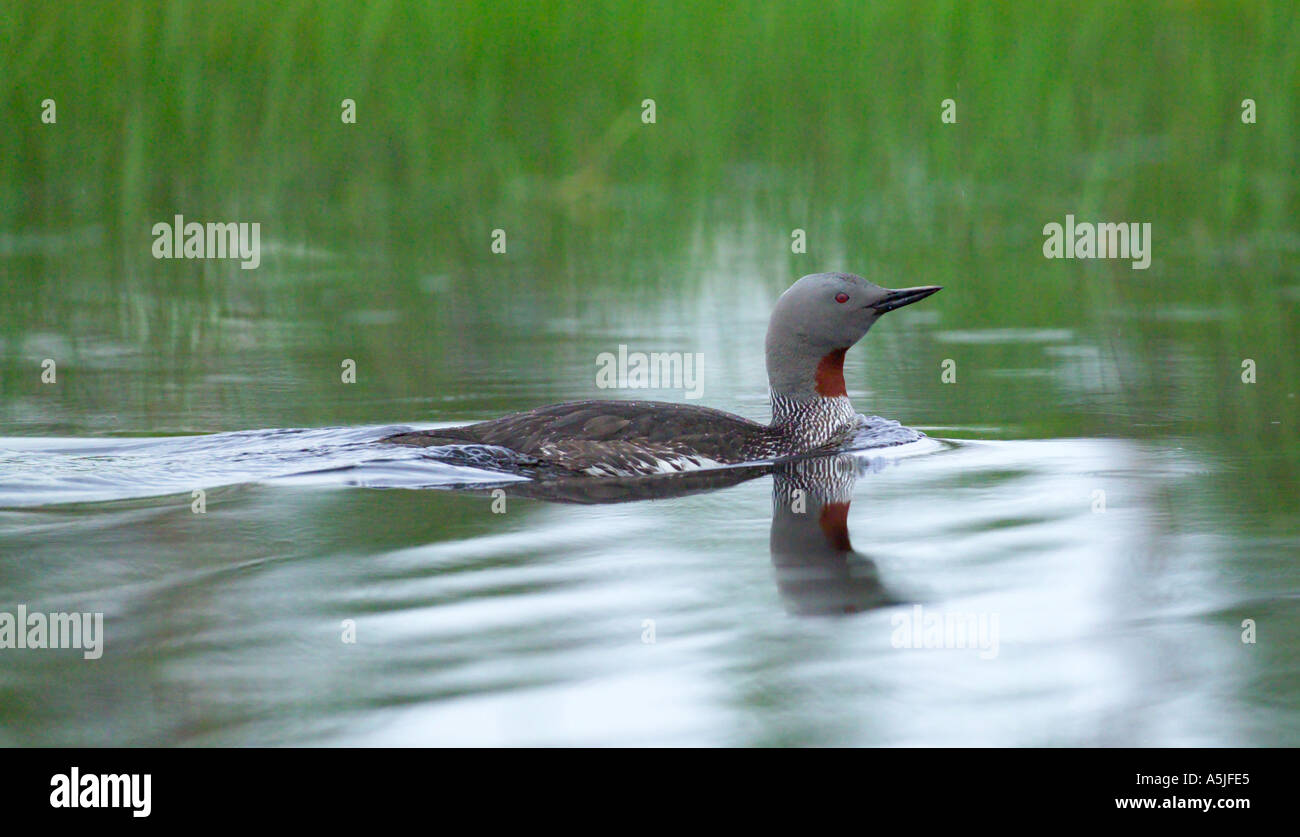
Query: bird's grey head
[816,320]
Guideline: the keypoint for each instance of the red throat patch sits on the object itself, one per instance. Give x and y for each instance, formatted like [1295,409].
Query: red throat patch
[830,375]
[834,522]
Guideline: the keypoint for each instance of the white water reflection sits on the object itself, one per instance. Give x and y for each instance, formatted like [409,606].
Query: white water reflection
[528,627]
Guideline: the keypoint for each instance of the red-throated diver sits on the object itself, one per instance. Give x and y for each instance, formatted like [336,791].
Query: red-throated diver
[813,324]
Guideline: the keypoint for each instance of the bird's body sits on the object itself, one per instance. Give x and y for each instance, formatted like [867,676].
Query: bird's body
[624,438]
[815,322]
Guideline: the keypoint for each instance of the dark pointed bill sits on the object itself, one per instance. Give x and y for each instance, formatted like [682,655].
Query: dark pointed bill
[904,296]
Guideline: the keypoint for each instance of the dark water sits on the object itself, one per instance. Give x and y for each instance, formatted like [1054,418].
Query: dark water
[1103,495]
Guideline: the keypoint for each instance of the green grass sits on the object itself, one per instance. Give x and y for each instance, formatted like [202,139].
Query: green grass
[823,116]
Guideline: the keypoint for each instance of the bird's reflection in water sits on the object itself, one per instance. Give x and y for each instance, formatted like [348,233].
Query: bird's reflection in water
[817,570]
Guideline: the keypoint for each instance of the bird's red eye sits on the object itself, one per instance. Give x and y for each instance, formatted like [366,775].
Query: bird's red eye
[841,297]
